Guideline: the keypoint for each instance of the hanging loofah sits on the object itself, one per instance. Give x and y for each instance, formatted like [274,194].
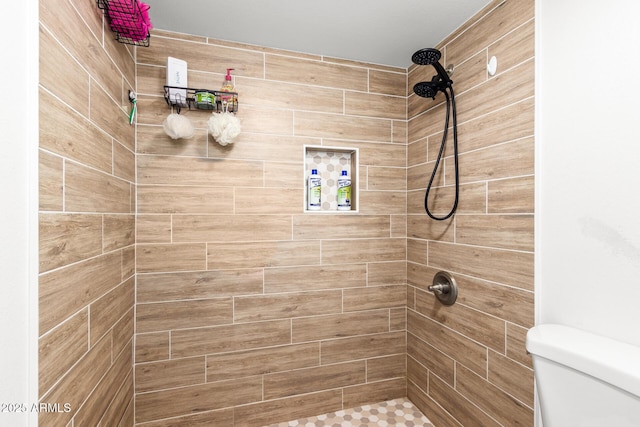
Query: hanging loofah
[224,127]
[177,127]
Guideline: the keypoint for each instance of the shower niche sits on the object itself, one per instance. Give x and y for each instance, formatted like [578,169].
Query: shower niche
[330,162]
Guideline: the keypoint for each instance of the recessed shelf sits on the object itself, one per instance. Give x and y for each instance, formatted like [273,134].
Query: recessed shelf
[330,162]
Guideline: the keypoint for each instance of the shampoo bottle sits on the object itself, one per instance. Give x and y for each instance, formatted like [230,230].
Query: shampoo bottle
[344,192]
[315,186]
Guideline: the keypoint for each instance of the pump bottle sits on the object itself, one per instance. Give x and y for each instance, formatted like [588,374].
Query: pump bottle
[229,102]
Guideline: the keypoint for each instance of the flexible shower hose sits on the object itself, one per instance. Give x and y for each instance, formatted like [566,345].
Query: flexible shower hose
[451,105]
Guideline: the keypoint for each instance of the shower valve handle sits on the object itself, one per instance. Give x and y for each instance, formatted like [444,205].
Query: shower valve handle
[444,287]
[440,288]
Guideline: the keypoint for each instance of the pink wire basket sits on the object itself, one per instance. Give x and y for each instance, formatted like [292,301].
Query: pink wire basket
[128,19]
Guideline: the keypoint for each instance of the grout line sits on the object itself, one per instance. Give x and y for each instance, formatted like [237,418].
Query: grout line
[206,356]
[64,184]
[486,197]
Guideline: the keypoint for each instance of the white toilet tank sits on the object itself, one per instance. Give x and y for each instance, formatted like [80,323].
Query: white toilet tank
[584,380]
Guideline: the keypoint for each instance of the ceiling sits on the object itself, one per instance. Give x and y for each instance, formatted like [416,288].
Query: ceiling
[384,32]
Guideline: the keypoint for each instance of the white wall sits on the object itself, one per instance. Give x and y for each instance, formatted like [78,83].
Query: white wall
[18,212]
[588,166]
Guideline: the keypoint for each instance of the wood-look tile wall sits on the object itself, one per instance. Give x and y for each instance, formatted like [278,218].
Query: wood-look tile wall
[466,364]
[87,219]
[250,311]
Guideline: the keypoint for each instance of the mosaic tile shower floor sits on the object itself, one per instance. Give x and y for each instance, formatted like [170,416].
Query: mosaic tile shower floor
[392,413]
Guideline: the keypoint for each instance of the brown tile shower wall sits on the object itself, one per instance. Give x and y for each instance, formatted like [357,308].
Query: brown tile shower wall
[250,311]
[86,226]
[467,363]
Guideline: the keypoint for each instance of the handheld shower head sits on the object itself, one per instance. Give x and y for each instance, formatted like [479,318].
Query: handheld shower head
[441,82]
[431,56]
[426,89]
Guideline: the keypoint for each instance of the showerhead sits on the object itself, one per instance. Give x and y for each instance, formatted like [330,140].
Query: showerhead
[439,83]
[427,56]
[431,56]
[426,89]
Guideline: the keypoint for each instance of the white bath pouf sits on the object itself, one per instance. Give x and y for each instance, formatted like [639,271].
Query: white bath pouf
[178,127]
[224,127]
